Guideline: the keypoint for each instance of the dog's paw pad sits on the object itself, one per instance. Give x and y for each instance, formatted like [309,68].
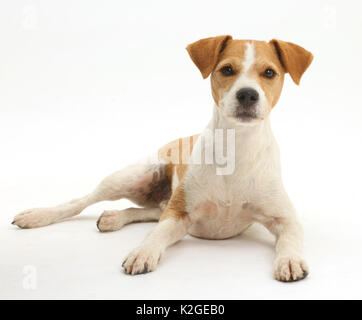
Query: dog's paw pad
[288,269]
[142,260]
[110,220]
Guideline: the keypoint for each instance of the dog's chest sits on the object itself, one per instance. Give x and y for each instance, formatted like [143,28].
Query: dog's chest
[222,206]
[219,205]
[212,220]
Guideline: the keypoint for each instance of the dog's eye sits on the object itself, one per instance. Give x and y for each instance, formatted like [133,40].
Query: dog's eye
[227,71]
[269,73]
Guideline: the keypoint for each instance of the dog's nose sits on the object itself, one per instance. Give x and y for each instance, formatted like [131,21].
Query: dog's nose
[247,97]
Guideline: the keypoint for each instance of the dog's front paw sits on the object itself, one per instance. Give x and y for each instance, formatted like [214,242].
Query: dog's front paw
[289,269]
[34,218]
[142,260]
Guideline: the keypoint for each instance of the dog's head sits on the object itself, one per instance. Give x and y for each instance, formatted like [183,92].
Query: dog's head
[247,76]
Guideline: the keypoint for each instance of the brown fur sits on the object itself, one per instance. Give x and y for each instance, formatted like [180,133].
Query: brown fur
[294,58]
[205,52]
[266,58]
[177,154]
[233,55]
[212,54]
[176,206]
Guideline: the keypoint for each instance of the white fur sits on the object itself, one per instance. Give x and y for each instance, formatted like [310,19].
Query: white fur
[223,206]
[113,220]
[175,180]
[249,58]
[113,187]
[146,257]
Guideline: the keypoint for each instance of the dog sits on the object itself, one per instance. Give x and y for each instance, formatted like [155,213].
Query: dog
[189,196]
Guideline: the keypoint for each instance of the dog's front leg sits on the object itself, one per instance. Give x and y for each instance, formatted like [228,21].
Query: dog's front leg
[146,257]
[282,221]
[289,264]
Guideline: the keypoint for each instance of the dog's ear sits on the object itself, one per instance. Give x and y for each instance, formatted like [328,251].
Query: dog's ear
[294,58]
[205,53]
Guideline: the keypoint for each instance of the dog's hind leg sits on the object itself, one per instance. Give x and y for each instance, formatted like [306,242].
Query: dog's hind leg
[145,184]
[113,220]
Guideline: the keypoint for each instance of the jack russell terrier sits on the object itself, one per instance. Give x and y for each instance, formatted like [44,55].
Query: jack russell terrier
[189,194]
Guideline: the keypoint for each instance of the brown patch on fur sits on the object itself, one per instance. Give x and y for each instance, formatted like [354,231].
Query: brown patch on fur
[205,52]
[177,154]
[294,58]
[266,58]
[176,206]
[178,151]
[233,56]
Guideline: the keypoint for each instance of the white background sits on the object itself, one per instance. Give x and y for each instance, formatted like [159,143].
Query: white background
[87,87]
